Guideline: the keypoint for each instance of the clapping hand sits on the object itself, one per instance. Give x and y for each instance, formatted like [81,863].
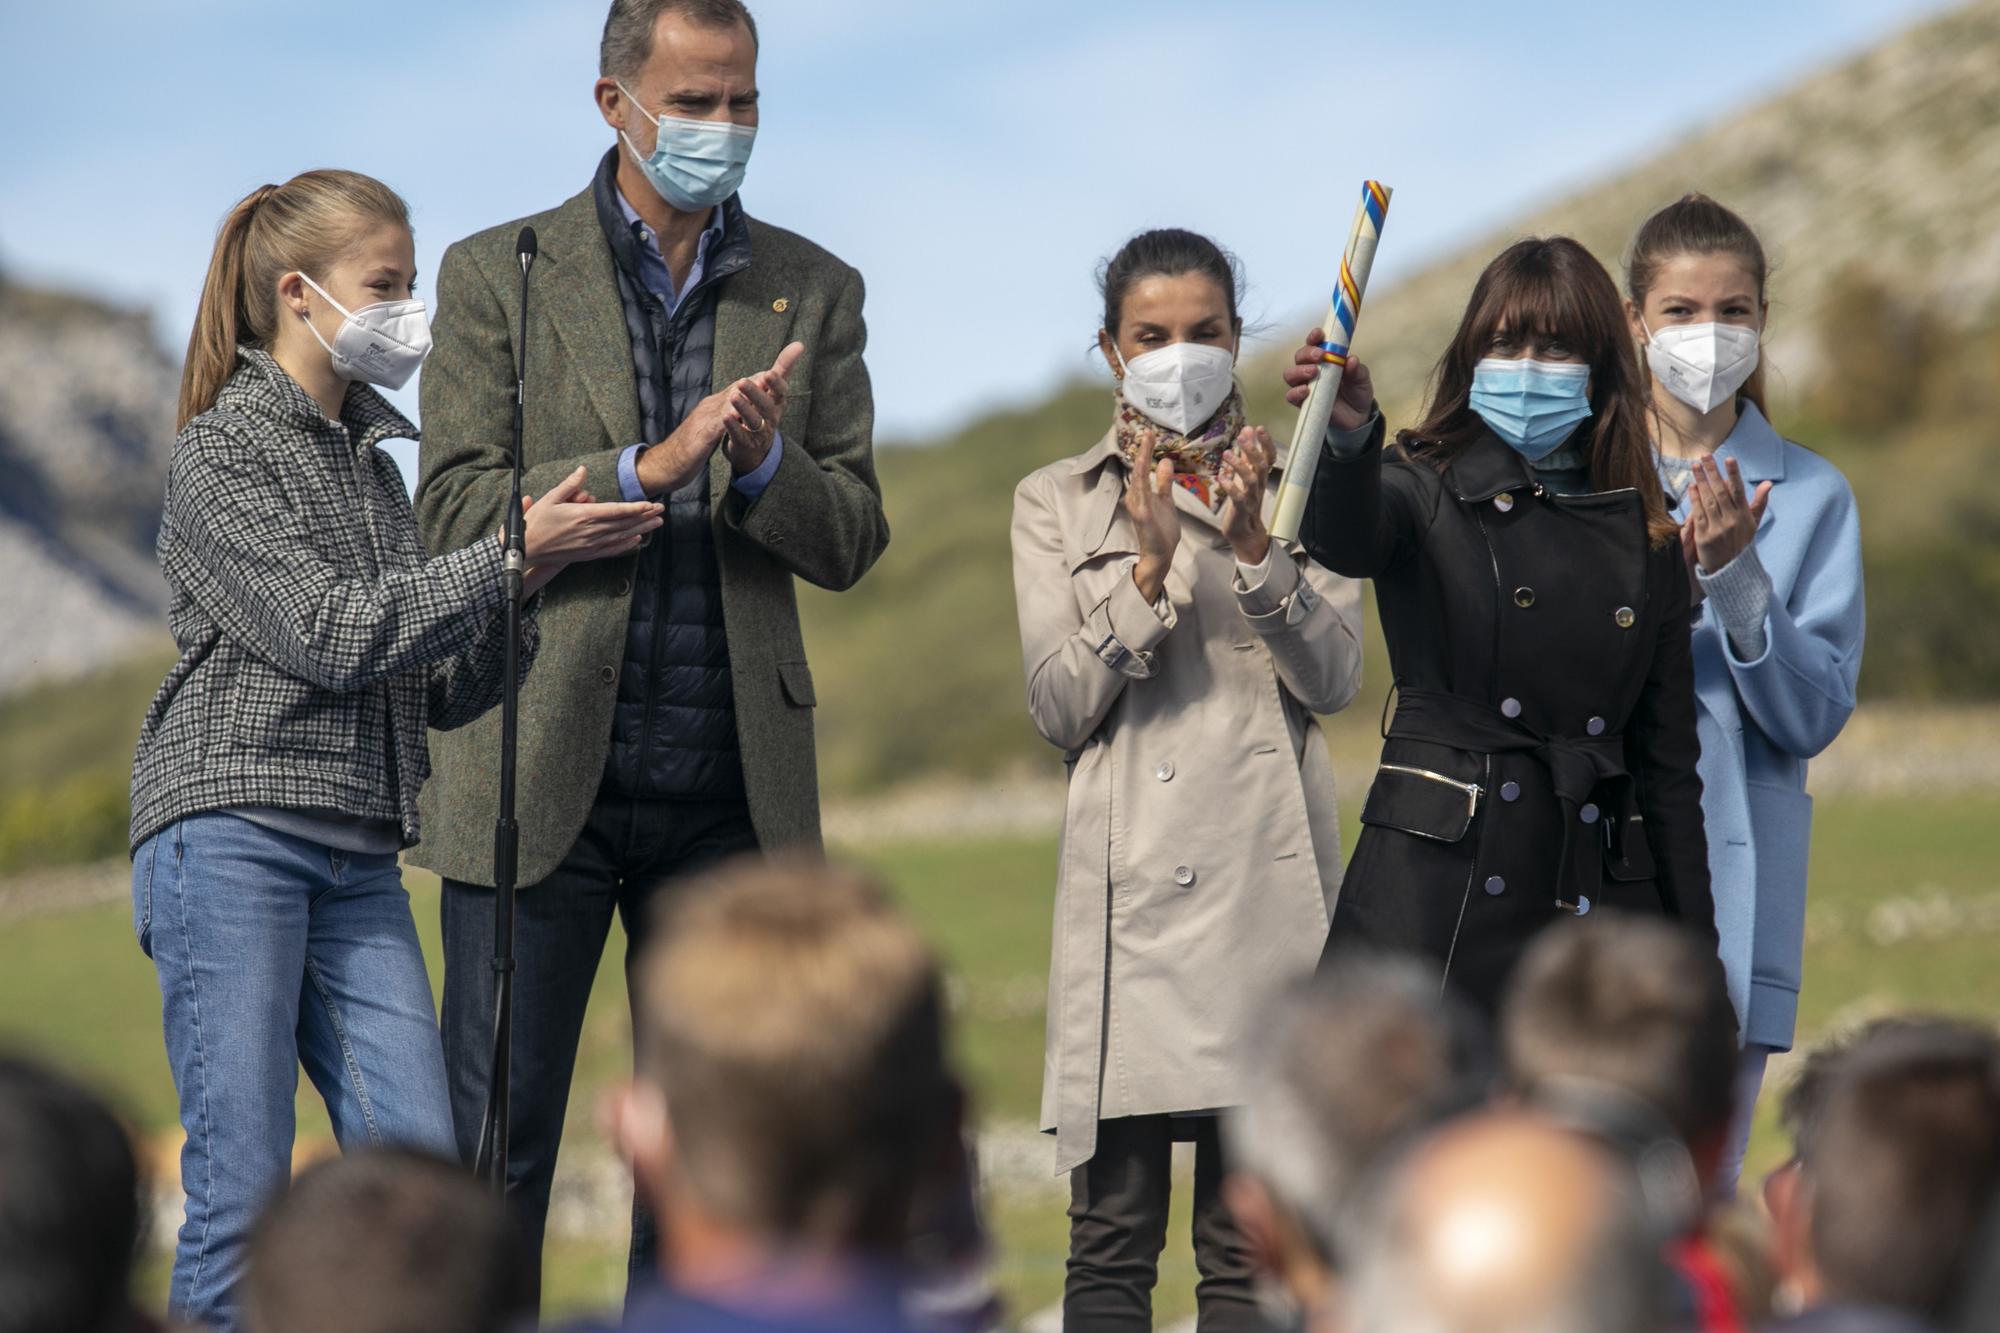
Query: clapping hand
[1149,503]
[1722,516]
[1245,471]
[756,405]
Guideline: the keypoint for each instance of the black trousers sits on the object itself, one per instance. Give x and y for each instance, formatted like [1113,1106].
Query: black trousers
[1118,1224]
[629,854]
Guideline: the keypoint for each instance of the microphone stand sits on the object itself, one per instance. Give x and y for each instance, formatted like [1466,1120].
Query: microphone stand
[490,1164]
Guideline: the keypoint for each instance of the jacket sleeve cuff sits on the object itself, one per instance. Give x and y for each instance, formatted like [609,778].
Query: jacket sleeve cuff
[1125,628]
[1266,589]
[1739,596]
[1347,445]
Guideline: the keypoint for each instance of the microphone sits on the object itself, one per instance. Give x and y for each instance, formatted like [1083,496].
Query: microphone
[490,1162]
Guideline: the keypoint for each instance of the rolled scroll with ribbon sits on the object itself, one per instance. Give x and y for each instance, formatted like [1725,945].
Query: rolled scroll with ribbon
[1303,459]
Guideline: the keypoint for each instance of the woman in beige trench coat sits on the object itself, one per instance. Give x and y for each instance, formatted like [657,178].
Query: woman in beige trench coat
[1177,655]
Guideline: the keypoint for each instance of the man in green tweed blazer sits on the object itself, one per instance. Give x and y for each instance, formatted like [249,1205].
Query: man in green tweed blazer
[680,350]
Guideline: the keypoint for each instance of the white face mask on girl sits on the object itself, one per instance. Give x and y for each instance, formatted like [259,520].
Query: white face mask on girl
[1703,365]
[382,343]
[1180,385]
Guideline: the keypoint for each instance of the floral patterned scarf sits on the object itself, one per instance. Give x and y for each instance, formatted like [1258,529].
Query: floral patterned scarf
[1197,457]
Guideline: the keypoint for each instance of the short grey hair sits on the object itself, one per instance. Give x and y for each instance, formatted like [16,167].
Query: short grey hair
[628,29]
[1343,1069]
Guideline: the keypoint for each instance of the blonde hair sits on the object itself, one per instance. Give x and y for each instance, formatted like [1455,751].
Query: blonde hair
[795,1022]
[304,225]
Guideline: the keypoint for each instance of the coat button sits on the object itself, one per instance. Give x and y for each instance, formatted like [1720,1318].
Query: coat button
[1588,814]
[1510,707]
[624,587]
[1595,726]
[1183,875]
[1165,772]
[607,674]
[1510,791]
[1524,597]
[1503,502]
[1625,617]
[1495,886]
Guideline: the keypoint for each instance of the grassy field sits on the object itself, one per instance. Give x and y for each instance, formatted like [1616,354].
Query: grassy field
[1906,913]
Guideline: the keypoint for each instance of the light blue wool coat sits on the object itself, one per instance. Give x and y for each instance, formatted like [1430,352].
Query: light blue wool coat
[1760,721]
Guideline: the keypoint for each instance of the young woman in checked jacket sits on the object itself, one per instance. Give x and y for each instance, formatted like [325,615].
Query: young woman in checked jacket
[277,770]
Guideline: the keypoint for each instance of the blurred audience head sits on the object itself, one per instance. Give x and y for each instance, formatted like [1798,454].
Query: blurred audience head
[793,1091]
[1623,1024]
[386,1241]
[1504,1223]
[1343,1068]
[1898,1171]
[70,1217]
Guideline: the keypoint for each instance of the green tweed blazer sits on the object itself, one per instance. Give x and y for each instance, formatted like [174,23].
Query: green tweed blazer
[820,519]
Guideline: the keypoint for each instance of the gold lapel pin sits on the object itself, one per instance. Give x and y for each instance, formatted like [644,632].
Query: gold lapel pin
[781,305]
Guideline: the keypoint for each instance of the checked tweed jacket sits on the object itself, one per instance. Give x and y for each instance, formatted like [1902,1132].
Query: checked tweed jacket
[317,639]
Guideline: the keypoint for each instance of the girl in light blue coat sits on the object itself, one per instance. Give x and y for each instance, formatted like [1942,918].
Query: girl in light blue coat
[1771,534]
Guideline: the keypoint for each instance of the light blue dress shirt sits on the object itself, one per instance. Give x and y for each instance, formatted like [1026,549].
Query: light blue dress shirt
[659,280]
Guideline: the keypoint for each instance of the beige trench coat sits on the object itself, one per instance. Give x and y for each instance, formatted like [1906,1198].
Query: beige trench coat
[1201,844]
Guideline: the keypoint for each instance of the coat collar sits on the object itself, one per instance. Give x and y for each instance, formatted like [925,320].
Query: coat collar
[1485,468]
[261,386]
[1758,449]
[576,287]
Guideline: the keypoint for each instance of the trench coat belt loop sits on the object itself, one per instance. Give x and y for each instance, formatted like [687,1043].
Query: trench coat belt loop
[1579,767]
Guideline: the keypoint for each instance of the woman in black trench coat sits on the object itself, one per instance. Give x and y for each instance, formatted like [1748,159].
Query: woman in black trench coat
[1540,761]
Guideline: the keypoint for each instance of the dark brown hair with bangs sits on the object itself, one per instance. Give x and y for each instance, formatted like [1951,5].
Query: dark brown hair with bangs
[1551,285]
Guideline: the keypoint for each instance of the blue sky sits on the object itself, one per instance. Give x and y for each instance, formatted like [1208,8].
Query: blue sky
[974,160]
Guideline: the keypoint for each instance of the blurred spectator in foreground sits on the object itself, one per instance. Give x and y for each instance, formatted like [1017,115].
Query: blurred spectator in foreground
[1622,1028]
[793,1105]
[1896,1176]
[386,1241]
[70,1219]
[1345,1068]
[1505,1223]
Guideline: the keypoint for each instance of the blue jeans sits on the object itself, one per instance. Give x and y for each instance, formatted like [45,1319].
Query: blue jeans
[273,952]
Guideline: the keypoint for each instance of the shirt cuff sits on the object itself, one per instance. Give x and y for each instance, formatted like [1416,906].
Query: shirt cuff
[751,484]
[1347,445]
[1740,596]
[628,474]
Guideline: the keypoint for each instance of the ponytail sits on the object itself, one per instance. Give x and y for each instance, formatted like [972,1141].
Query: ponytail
[211,354]
[304,226]
[1695,224]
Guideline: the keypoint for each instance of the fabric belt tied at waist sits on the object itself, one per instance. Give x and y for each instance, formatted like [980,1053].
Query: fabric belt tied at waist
[1579,768]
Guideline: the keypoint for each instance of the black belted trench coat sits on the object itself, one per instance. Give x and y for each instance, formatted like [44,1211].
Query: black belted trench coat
[1540,760]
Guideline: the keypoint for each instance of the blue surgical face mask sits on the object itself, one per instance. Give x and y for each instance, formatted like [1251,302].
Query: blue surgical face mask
[696,164]
[1532,405]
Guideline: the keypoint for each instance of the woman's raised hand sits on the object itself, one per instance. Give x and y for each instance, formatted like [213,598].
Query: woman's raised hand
[1149,502]
[1245,471]
[1357,386]
[1721,513]
[567,525]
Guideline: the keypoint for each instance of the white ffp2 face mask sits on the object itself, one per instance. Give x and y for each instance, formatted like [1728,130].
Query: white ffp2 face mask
[1703,365]
[1180,385]
[382,343]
